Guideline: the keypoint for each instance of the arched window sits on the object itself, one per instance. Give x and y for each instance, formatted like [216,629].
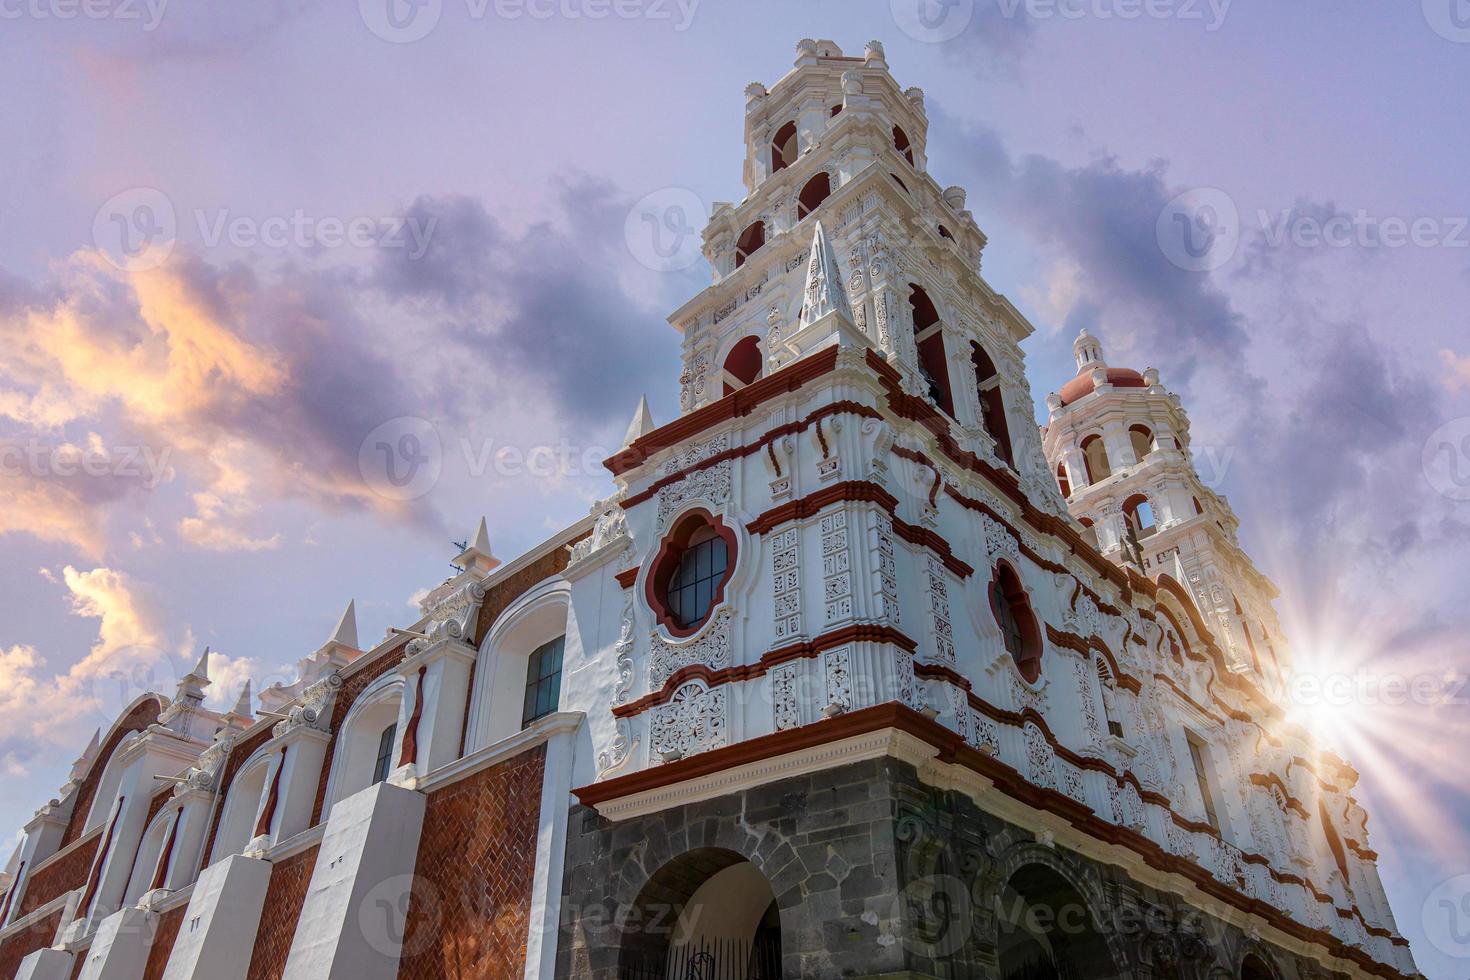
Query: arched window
[836,109]
[689,574]
[1252,968]
[815,191]
[749,242]
[1095,457]
[992,404]
[899,181]
[242,804]
[1197,508]
[901,144]
[383,764]
[543,681]
[1140,515]
[1142,441]
[1018,629]
[742,364]
[944,233]
[929,338]
[783,147]
[1062,482]
[1109,699]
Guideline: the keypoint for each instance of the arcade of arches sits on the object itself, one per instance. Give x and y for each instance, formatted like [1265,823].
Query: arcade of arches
[866,871]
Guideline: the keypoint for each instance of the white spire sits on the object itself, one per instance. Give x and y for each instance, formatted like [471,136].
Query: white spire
[826,315]
[242,714]
[201,669]
[477,558]
[641,425]
[346,632]
[243,702]
[824,293]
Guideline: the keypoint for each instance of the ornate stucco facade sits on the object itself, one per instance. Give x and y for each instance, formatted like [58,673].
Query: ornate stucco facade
[957,696]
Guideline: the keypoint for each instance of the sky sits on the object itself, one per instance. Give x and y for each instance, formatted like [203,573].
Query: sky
[256,252]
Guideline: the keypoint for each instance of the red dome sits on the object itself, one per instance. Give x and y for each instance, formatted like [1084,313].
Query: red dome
[1081,386]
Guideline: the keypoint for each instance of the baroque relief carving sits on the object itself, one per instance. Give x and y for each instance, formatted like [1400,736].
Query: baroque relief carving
[836,566]
[786,582]
[711,648]
[785,696]
[693,721]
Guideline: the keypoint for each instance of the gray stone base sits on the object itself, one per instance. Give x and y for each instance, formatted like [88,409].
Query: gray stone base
[875,875]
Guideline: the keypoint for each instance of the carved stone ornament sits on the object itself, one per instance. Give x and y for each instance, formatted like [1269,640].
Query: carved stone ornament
[313,709]
[609,532]
[693,721]
[203,776]
[450,617]
[711,648]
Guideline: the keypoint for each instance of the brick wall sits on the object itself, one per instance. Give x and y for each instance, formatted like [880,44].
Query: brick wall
[163,942]
[472,899]
[140,717]
[284,897]
[17,948]
[62,875]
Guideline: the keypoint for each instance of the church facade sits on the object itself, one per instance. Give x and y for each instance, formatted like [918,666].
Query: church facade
[856,673]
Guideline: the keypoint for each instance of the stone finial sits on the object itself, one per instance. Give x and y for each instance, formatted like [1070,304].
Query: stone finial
[824,293]
[242,715]
[641,425]
[915,95]
[1151,376]
[477,558]
[1088,351]
[755,91]
[806,51]
[955,198]
[873,55]
[852,83]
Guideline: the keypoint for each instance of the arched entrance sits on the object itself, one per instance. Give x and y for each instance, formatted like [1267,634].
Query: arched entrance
[708,913]
[1047,930]
[1254,968]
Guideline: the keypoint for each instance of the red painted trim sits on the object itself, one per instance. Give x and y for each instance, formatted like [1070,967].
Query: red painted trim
[268,815]
[1005,577]
[410,751]
[10,894]
[855,633]
[160,870]
[664,562]
[861,491]
[94,878]
[735,405]
[627,577]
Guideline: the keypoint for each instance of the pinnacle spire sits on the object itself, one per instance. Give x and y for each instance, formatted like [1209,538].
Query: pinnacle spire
[201,669]
[477,556]
[824,293]
[641,425]
[243,702]
[1088,351]
[346,632]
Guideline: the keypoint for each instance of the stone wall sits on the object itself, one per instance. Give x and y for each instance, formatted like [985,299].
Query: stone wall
[876,873]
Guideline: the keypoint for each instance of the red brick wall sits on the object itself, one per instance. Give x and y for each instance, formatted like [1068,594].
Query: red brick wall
[283,900]
[472,900]
[17,948]
[140,717]
[62,875]
[163,942]
[352,687]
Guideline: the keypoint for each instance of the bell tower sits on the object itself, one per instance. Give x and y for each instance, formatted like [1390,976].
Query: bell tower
[844,237]
[1118,445]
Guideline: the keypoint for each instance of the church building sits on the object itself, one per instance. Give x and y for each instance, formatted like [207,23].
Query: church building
[856,672]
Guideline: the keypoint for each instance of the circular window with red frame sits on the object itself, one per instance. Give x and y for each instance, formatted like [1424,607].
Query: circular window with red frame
[1018,628]
[690,572]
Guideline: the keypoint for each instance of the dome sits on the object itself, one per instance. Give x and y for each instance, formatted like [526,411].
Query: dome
[1082,386]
